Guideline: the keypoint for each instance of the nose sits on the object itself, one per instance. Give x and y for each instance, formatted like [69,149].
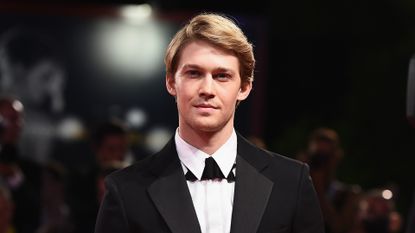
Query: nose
[206,89]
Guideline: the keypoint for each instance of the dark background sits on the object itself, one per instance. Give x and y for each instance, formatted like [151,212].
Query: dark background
[341,64]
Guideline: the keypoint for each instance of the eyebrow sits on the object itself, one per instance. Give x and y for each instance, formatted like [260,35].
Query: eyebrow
[190,66]
[194,66]
[222,69]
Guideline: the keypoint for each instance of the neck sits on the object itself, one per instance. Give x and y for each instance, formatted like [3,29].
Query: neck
[206,141]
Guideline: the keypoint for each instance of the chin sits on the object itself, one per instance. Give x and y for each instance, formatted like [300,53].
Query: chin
[208,126]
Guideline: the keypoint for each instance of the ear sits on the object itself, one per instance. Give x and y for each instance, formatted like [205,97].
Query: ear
[170,84]
[244,91]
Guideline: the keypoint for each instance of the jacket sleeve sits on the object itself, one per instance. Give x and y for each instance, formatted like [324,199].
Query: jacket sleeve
[308,217]
[111,216]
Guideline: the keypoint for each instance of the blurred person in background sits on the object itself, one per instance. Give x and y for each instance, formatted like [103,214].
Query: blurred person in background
[411,218]
[100,183]
[6,210]
[55,211]
[378,214]
[110,144]
[110,149]
[23,177]
[31,69]
[339,201]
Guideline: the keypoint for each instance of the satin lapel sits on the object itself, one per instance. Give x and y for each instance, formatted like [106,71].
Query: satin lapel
[252,189]
[171,194]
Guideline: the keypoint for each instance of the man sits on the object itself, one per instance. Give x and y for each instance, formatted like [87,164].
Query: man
[210,67]
[22,177]
[32,70]
[110,147]
[339,201]
[110,144]
[378,214]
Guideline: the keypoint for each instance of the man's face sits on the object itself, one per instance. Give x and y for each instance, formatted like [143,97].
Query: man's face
[207,86]
[112,149]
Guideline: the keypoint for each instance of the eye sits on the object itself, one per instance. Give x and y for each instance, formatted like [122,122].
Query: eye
[193,73]
[223,76]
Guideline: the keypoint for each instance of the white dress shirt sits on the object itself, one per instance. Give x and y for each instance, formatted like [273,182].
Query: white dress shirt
[212,199]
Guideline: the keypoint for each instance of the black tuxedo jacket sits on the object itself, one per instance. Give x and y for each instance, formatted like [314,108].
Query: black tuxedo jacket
[272,194]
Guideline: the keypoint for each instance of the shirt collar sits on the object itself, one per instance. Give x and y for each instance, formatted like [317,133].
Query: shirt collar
[194,159]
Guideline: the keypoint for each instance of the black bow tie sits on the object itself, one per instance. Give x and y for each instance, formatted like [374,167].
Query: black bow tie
[211,172]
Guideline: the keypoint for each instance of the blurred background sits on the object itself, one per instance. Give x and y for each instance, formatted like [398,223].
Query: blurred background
[336,64]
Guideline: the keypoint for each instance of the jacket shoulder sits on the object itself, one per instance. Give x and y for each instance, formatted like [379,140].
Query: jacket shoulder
[258,157]
[283,168]
[283,160]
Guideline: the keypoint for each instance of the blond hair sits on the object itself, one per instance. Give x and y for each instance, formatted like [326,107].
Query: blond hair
[218,30]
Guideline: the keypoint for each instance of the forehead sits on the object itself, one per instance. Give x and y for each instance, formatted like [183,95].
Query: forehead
[205,54]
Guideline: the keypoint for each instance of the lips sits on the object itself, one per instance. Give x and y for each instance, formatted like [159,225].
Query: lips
[205,105]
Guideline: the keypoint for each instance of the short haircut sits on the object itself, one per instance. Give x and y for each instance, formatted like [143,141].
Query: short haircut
[324,134]
[219,31]
[106,129]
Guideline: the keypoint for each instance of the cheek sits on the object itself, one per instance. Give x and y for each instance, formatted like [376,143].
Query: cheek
[182,103]
[183,95]
[231,97]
